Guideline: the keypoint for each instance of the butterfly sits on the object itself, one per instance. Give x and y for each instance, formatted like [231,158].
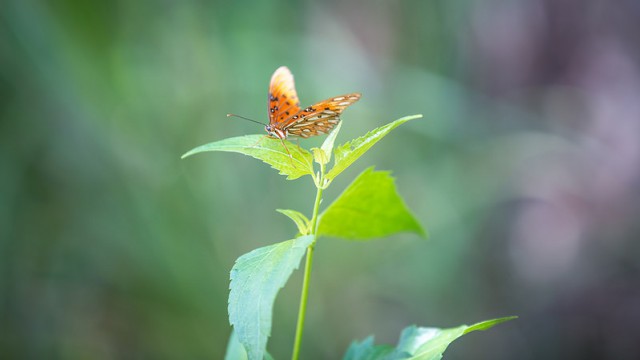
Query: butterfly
[287,119]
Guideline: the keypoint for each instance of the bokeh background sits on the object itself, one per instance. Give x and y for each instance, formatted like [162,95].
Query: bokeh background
[525,170]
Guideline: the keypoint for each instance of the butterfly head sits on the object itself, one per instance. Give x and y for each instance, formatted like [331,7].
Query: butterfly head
[275,132]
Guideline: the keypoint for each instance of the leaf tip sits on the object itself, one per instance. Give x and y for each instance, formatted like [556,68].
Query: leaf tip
[412,117]
[191,152]
[187,154]
[485,325]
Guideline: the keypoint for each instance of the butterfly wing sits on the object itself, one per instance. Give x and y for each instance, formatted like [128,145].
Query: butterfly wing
[319,118]
[283,100]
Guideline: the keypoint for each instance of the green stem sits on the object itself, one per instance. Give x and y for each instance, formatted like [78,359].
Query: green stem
[307,269]
[303,303]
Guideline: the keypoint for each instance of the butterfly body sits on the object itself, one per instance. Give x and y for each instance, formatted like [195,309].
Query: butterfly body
[286,118]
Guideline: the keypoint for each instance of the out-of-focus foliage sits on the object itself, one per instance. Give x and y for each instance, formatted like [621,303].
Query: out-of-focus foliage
[526,169]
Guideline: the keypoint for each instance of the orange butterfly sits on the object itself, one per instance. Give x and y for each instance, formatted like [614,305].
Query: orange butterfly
[285,116]
[287,119]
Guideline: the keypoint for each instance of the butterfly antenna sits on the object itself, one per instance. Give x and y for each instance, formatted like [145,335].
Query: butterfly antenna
[242,117]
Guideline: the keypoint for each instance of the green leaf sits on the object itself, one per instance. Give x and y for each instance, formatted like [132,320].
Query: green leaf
[301,221]
[349,152]
[416,343]
[235,350]
[320,156]
[327,145]
[268,150]
[256,279]
[435,341]
[369,208]
[365,350]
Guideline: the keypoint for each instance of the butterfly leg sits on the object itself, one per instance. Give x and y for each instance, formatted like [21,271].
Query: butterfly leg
[290,157]
[259,140]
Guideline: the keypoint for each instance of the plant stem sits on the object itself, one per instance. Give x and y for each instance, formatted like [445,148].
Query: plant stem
[303,303]
[307,269]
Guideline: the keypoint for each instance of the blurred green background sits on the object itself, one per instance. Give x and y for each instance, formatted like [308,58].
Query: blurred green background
[525,170]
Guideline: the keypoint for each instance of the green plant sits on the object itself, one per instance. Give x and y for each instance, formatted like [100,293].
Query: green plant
[369,208]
